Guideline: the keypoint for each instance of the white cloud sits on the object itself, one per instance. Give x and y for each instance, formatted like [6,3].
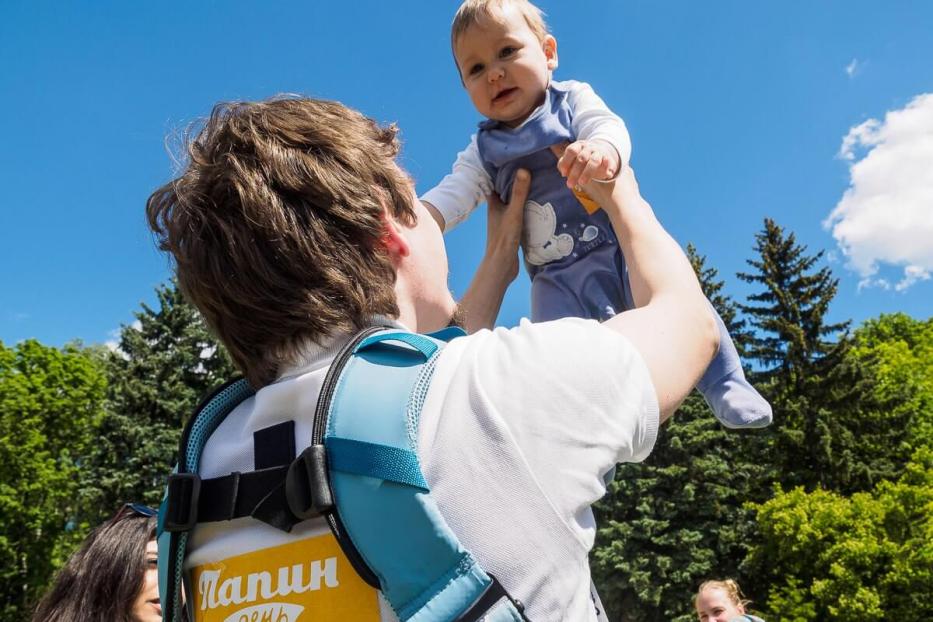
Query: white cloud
[912,274]
[852,68]
[870,282]
[886,214]
[113,344]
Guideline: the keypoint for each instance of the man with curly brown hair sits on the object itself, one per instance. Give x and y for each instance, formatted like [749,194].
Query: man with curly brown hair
[291,227]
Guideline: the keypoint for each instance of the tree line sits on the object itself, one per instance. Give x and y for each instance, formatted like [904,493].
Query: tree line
[826,515]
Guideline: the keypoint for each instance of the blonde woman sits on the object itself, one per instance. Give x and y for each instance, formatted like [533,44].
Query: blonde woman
[722,601]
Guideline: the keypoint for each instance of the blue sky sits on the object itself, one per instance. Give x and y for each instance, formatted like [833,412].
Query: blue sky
[737,110]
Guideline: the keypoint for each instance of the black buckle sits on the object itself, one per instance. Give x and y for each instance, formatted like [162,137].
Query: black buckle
[493,593]
[307,489]
[181,507]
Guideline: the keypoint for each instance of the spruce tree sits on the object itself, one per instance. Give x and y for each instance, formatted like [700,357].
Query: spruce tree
[793,335]
[679,518]
[712,286]
[823,434]
[164,365]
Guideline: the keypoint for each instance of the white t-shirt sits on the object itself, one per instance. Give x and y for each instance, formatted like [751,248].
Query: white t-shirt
[518,432]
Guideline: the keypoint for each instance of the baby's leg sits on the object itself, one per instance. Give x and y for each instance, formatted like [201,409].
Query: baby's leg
[734,401]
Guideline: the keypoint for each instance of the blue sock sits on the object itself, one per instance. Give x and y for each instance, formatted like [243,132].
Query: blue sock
[734,401]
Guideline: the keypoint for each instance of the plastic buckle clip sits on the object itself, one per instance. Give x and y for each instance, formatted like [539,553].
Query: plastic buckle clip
[181,511]
[493,593]
[307,489]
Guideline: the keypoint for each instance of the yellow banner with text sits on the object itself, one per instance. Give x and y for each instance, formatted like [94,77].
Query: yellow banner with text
[305,580]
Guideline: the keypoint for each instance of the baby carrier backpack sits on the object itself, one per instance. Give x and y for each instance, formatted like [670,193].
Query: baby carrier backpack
[359,471]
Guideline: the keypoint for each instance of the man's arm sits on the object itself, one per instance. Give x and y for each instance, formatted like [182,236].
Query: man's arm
[672,326]
[461,190]
[499,267]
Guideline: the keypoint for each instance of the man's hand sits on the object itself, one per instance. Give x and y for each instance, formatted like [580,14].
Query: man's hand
[623,189]
[587,160]
[504,224]
[499,267]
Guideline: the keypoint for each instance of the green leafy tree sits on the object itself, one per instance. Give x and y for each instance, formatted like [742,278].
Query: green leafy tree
[899,351]
[865,557]
[51,402]
[164,365]
[679,518]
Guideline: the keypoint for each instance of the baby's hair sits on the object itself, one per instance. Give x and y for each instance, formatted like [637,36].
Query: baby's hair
[729,586]
[474,11]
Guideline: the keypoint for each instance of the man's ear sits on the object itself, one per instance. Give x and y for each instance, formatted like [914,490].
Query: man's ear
[549,45]
[393,240]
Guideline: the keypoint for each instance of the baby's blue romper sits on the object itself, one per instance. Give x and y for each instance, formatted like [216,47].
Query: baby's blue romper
[584,282]
[579,270]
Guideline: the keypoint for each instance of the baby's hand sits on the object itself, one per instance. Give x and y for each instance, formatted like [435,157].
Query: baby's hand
[587,160]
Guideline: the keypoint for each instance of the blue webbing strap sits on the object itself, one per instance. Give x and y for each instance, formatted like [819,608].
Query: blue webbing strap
[164,541]
[371,460]
[425,345]
[172,545]
[424,572]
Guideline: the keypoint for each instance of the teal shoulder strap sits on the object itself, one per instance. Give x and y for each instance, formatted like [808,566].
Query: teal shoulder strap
[424,572]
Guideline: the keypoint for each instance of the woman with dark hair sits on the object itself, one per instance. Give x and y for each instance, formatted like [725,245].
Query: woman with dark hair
[113,576]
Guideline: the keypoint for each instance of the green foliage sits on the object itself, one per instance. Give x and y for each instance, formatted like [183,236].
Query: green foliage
[792,601]
[846,413]
[51,402]
[724,305]
[74,447]
[676,519]
[827,431]
[848,461]
[679,518]
[164,365]
[868,556]
[791,343]
[899,351]
[790,311]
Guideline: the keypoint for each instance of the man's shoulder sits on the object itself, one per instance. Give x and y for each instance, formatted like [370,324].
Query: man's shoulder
[530,351]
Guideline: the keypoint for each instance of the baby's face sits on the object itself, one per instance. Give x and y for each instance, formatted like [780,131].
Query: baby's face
[504,67]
